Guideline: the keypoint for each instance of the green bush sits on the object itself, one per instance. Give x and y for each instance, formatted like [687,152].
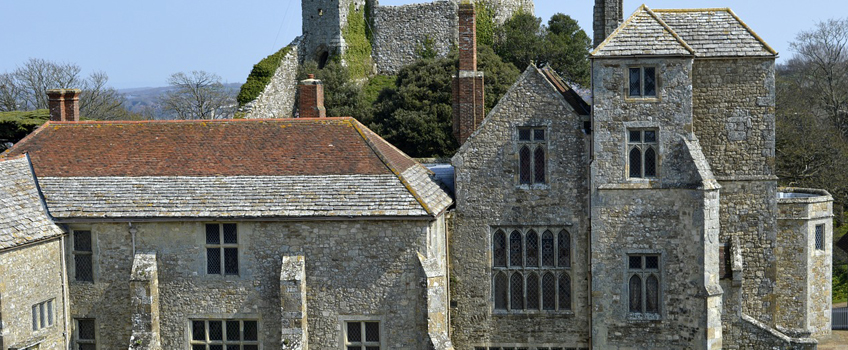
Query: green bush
[260,76]
[485,23]
[376,85]
[16,125]
[358,52]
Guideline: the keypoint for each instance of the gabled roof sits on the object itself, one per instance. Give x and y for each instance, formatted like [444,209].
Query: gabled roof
[715,32]
[568,93]
[23,219]
[226,168]
[645,34]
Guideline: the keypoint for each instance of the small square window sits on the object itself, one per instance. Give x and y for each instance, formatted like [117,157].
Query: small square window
[224,334]
[222,249]
[362,335]
[85,335]
[643,82]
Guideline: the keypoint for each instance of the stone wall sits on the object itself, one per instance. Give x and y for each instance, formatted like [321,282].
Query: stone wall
[278,100]
[489,196]
[30,275]
[402,31]
[355,270]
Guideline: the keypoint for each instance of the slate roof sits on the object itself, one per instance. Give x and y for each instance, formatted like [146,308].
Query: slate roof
[23,219]
[715,32]
[571,96]
[328,167]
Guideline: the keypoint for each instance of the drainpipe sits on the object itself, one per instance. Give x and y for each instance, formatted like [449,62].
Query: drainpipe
[589,199]
[66,304]
[132,230]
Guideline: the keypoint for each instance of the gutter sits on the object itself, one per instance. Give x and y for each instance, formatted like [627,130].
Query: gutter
[78,220]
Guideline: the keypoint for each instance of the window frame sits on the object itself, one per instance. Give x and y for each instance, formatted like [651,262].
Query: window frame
[533,145]
[77,340]
[644,273]
[642,96]
[819,237]
[222,246]
[43,314]
[345,319]
[84,254]
[559,270]
[224,341]
[643,147]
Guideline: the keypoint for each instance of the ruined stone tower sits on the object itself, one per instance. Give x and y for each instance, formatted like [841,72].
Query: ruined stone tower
[608,15]
[323,22]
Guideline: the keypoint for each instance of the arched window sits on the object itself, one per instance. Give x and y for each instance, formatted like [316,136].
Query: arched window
[635,292]
[652,293]
[650,162]
[539,165]
[500,291]
[532,249]
[525,169]
[549,291]
[516,256]
[635,162]
[548,249]
[532,292]
[516,291]
[565,292]
[564,244]
[499,249]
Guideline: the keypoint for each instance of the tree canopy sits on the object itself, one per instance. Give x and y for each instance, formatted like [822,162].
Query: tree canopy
[197,95]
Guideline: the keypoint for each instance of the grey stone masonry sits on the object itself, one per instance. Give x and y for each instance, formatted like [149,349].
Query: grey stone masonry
[295,334]
[401,33]
[279,97]
[144,286]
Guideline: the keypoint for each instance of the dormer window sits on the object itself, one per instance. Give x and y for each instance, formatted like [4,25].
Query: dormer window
[643,82]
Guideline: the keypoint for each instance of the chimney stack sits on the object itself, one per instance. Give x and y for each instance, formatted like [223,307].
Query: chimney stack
[608,16]
[311,102]
[64,104]
[468,94]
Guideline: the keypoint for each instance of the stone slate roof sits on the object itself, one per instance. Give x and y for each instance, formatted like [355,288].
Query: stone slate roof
[328,167]
[714,32]
[23,219]
[571,95]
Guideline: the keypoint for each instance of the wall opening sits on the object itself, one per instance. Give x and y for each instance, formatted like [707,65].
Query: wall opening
[323,57]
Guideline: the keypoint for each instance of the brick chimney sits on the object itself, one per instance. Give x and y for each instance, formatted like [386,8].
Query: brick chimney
[608,16]
[468,95]
[311,102]
[64,104]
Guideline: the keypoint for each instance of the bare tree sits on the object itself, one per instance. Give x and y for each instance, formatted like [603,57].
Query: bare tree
[10,93]
[198,95]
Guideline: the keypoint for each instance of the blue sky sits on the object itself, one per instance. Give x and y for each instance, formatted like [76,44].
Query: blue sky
[140,43]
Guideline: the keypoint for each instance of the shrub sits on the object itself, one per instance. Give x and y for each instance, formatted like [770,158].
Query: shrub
[260,76]
[358,52]
[16,125]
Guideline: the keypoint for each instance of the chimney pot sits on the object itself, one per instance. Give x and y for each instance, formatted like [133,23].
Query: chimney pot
[64,104]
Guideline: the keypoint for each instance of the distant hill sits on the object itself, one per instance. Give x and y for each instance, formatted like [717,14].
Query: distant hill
[146,99]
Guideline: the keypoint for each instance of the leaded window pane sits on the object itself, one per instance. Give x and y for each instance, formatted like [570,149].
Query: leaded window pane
[650,81]
[372,331]
[820,237]
[635,162]
[82,241]
[233,347]
[354,332]
[85,329]
[635,262]
[548,249]
[635,83]
[230,234]
[532,249]
[564,244]
[650,136]
[524,134]
[193,347]
[500,291]
[652,262]
[250,347]
[539,166]
[233,331]
[198,330]
[650,162]
[652,287]
[635,136]
[533,292]
[499,249]
[216,347]
[549,291]
[231,261]
[525,171]
[635,293]
[213,261]
[216,330]
[251,330]
[565,292]
[516,291]
[538,134]
[213,234]
[515,250]
[83,268]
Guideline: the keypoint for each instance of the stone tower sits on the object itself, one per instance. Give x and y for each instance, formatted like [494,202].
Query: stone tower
[323,21]
[608,16]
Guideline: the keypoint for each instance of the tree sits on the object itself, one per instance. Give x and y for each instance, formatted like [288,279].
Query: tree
[197,95]
[343,97]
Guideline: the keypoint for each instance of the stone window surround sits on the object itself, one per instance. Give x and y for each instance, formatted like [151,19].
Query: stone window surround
[537,124]
[43,314]
[240,239]
[625,263]
[649,182]
[657,83]
[95,252]
[220,316]
[76,338]
[225,341]
[812,237]
[344,319]
[818,240]
[533,145]
[558,271]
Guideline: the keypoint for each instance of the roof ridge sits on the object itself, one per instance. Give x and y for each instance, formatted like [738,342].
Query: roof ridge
[693,9]
[732,14]
[671,31]
[643,8]
[616,31]
[201,121]
[383,158]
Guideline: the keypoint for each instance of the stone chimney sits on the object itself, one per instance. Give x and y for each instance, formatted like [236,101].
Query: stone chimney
[311,102]
[64,104]
[468,95]
[608,16]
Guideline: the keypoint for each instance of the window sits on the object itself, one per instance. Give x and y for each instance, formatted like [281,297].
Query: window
[362,335]
[222,249]
[643,287]
[819,237]
[642,153]
[42,315]
[643,82]
[531,156]
[83,255]
[724,263]
[85,335]
[224,335]
[525,347]
[531,270]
